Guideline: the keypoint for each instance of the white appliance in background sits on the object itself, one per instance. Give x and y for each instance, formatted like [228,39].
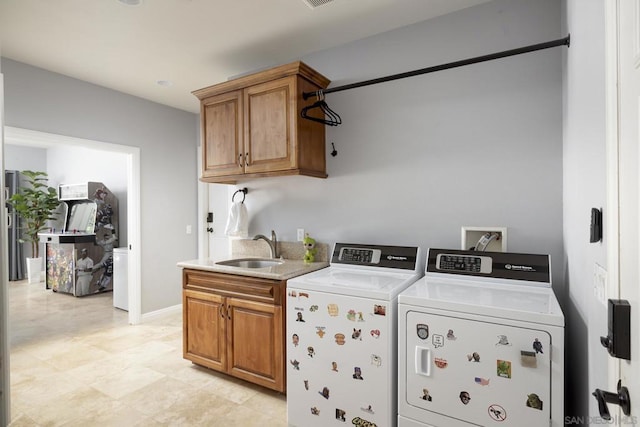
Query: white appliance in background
[481,342]
[120,278]
[342,336]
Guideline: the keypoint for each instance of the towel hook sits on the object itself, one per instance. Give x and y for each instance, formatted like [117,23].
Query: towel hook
[244,192]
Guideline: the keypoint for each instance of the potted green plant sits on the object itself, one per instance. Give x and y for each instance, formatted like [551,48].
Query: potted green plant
[35,204]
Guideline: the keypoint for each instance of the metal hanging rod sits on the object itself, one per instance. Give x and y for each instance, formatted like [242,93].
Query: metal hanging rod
[531,48]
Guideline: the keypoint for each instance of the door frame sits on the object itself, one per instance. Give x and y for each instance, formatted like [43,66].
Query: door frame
[622,25]
[5,384]
[612,153]
[21,136]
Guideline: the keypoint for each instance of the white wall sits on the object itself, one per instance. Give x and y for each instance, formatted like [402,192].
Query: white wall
[421,157]
[584,176]
[25,158]
[40,100]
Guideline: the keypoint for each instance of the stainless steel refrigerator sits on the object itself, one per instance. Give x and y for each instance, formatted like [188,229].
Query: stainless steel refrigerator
[16,258]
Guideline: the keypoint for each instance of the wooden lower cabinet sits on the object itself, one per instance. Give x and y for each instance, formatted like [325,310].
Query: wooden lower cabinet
[204,325]
[256,348]
[238,333]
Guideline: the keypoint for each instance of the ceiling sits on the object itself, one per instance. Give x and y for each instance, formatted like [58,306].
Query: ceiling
[190,43]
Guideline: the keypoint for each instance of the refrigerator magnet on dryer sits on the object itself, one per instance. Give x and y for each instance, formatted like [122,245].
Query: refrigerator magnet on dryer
[481,341]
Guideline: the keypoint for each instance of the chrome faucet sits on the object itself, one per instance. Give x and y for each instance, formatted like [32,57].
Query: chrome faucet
[273,243]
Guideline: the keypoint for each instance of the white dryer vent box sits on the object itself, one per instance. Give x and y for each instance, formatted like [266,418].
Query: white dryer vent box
[495,239]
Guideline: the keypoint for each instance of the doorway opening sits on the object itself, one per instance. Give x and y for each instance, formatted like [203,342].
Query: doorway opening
[26,137]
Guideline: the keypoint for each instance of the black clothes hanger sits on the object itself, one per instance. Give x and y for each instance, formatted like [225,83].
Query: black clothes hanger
[329,117]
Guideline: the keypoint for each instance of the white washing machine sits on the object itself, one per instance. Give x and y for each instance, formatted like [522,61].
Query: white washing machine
[481,343]
[342,336]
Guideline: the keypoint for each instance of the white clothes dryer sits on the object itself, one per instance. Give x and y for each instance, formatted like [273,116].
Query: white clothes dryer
[481,343]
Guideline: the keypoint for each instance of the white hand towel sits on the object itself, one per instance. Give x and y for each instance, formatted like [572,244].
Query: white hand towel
[238,222]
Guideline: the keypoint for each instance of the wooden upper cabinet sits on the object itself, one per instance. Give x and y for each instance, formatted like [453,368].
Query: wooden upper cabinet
[269,129]
[223,135]
[251,126]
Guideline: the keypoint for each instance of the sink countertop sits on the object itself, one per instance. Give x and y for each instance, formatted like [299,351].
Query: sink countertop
[288,269]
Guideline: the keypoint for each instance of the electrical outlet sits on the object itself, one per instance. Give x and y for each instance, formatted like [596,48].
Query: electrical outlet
[300,234]
[188,229]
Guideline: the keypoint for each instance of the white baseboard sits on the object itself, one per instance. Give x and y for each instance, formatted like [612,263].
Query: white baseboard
[164,312]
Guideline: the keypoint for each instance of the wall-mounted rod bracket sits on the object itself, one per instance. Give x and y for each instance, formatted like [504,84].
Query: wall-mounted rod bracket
[531,48]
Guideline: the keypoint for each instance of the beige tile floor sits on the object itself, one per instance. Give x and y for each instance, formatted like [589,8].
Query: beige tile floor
[76,362]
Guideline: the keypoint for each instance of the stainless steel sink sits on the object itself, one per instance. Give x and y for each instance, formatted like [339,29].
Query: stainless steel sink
[250,262]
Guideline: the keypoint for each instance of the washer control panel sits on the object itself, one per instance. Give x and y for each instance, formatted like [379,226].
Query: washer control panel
[468,263]
[360,255]
[378,256]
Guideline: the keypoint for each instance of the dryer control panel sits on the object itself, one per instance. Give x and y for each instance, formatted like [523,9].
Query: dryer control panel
[469,263]
[532,268]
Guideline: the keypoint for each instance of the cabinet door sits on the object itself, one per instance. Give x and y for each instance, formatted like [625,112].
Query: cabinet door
[204,329]
[269,128]
[222,137]
[255,342]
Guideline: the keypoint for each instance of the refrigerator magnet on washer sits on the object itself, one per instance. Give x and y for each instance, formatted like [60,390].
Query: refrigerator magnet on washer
[333,310]
[533,401]
[481,381]
[475,357]
[537,346]
[368,409]
[528,359]
[376,360]
[503,340]
[503,368]
[438,341]
[440,362]
[422,330]
[325,392]
[357,373]
[380,310]
[465,397]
